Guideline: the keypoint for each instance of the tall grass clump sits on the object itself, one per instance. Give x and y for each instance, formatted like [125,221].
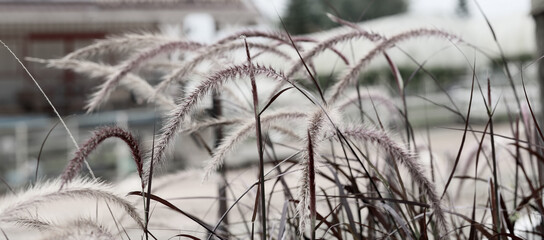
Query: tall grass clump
[322,165]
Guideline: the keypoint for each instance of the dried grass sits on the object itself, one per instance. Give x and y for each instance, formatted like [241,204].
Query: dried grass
[365,197]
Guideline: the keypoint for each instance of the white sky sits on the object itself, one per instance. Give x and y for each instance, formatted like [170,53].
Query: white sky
[492,8]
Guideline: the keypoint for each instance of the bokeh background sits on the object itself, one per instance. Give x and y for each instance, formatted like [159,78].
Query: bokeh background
[53,28]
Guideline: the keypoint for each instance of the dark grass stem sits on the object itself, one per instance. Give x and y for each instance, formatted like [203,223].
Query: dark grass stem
[467,119]
[345,205]
[311,178]
[41,150]
[259,141]
[472,233]
[147,198]
[314,80]
[176,209]
[518,158]
[501,52]
[495,188]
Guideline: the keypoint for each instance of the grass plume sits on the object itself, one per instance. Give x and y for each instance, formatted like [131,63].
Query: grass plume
[98,136]
[365,195]
[15,207]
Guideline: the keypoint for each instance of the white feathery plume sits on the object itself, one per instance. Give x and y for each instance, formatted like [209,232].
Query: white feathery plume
[105,89]
[120,44]
[14,207]
[80,230]
[188,66]
[318,126]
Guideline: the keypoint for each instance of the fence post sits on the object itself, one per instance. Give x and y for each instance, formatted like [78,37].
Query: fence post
[122,158]
[21,152]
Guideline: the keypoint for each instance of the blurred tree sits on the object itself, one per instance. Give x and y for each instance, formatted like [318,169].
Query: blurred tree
[306,16]
[303,16]
[462,8]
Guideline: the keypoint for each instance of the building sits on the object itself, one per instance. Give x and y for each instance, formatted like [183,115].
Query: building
[53,28]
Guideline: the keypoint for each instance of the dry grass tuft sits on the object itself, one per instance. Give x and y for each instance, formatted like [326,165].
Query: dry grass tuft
[365,195]
[19,208]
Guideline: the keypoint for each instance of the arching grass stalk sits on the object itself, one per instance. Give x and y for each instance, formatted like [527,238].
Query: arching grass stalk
[177,116]
[73,167]
[132,82]
[211,52]
[15,207]
[106,89]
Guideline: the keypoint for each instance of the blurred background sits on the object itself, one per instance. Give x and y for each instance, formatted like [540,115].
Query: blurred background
[53,28]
